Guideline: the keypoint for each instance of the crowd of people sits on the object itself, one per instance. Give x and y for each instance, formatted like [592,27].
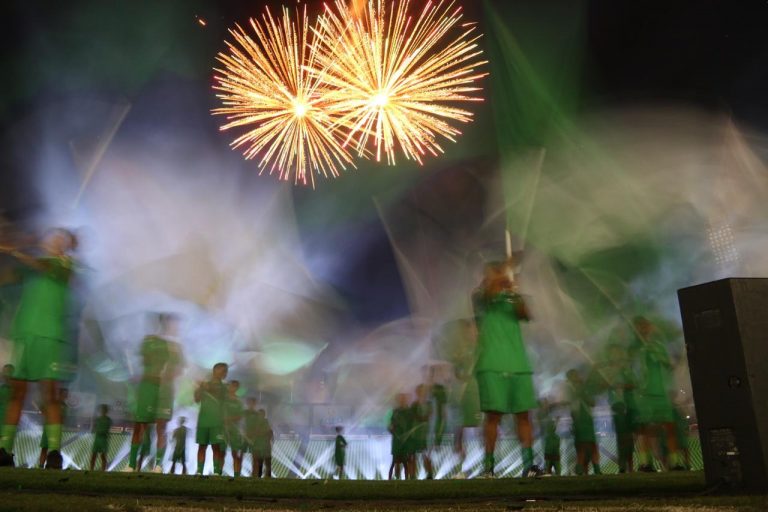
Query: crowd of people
[495,379]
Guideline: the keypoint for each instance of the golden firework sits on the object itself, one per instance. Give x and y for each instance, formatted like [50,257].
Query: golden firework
[396,78]
[267,87]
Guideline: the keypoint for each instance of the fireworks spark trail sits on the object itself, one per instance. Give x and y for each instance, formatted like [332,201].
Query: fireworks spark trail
[396,77]
[266,86]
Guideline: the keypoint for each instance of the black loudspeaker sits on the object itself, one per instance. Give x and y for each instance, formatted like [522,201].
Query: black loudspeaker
[726,335]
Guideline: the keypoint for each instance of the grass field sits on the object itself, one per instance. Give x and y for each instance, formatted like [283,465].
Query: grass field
[32,490]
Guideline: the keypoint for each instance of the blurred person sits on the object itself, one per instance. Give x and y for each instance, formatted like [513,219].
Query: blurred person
[101,427]
[548,425]
[421,412]
[399,427]
[265,439]
[233,415]
[467,394]
[617,377]
[340,451]
[210,420]
[250,429]
[655,409]
[180,446]
[503,371]
[439,397]
[582,400]
[166,395]
[44,447]
[160,360]
[41,345]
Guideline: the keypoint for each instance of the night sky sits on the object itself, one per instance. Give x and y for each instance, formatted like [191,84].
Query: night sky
[710,54]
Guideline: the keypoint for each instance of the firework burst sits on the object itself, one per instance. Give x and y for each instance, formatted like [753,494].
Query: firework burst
[395,77]
[266,87]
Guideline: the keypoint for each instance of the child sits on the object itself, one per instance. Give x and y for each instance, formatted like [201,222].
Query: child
[166,391]
[233,413]
[421,411]
[101,437]
[584,438]
[41,346]
[180,447]
[339,453]
[399,425]
[617,376]
[262,445]
[551,440]
[210,421]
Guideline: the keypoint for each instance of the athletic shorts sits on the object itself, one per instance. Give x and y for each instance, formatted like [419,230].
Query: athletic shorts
[100,445]
[210,436]
[471,416]
[44,441]
[506,392]
[654,409]
[583,428]
[339,459]
[234,440]
[36,358]
[164,409]
[146,402]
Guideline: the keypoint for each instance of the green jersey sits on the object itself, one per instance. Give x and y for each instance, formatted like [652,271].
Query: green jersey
[180,437]
[500,340]
[400,427]
[212,395]
[155,355]
[251,419]
[233,412]
[45,300]
[656,368]
[102,425]
[339,449]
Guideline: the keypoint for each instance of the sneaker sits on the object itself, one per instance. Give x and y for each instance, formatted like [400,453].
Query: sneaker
[532,472]
[54,460]
[646,468]
[6,459]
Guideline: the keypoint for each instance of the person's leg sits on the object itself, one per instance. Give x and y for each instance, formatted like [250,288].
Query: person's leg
[162,441]
[581,456]
[201,449]
[391,469]
[237,462]
[268,467]
[136,439]
[218,459]
[173,467]
[595,456]
[525,435]
[53,422]
[490,435]
[674,459]
[184,466]
[93,460]
[11,420]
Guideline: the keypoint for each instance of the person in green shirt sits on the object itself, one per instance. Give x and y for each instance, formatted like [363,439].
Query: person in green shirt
[399,426]
[440,399]
[503,370]
[465,389]
[41,345]
[339,451]
[259,434]
[233,415]
[582,401]
[655,408]
[174,366]
[180,447]
[101,437]
[210,420]
[160,364]
[421,412]
[548,425]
